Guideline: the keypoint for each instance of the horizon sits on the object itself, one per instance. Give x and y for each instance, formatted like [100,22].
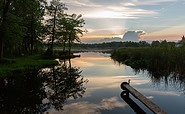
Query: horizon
[157,19]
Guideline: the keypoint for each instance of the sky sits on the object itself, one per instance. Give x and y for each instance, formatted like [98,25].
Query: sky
[154,19]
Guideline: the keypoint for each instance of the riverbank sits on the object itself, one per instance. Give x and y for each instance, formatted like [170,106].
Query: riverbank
[92,50]
[158,61]
[21,64]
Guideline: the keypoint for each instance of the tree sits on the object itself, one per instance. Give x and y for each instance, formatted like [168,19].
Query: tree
[55,9]
[3,18]
[183,40]
[73,29]
[32,12]
[20,24]
[155,44]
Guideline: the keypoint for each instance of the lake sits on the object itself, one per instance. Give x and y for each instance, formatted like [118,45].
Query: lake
[87,85]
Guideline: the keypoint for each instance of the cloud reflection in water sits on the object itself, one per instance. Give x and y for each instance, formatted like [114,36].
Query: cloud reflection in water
[90,108]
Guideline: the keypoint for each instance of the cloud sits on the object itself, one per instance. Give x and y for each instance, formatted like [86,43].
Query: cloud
[140,32]
[147,15]
[80,3]
[128,4]
[133,35]
[90,108]
[118,12]
[152,2]
[106,9]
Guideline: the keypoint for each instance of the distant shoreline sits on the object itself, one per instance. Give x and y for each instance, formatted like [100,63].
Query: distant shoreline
[92,50]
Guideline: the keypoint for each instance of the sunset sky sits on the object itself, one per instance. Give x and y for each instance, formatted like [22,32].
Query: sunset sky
[158,19]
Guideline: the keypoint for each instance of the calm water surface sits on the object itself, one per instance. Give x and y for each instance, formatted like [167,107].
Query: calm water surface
[95,89]
[103,90]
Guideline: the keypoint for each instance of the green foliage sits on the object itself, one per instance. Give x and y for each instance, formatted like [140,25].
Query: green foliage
[159,61]
[62,27]
[9,66]
[155,44]
[54,11]
[14,33]
[25,23]
[21,25]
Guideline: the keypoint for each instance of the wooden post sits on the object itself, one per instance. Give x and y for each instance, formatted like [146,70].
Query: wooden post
[153,107]
[132,104]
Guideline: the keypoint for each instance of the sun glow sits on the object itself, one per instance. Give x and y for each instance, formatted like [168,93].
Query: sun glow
[103,14]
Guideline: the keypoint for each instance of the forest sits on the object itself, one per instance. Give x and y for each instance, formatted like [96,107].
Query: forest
[29,29]
[26,24]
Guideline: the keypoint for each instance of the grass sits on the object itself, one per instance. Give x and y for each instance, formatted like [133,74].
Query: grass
[22,64]
[159,61]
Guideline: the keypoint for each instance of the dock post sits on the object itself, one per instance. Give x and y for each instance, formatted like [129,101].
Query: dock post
[125,91]
[153,107]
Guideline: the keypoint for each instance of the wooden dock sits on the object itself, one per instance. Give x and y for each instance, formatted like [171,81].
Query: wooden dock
[153,107]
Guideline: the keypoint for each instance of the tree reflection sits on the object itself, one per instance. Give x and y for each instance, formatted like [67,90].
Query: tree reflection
[36,93]
[162,75]
[167,77]
[62,82]
[20,94]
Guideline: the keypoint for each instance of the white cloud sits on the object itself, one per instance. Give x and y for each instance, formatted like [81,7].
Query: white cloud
[119,12]
[101,15]
[116,9]
[128,4]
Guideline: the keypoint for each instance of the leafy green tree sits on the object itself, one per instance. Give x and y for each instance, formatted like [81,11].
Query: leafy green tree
[32,12]
[20,25]
[62,32]
[73,29]
[55,9]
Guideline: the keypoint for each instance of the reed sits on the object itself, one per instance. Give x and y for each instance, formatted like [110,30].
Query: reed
[159,61]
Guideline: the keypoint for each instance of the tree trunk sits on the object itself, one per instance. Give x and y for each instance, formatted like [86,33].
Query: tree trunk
[1,45]
[70,44]
[6,5]
[64,44]
[32,34]
[53,31]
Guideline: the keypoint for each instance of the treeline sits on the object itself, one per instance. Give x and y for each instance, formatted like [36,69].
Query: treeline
[160,60]
[26,24]
[113,45]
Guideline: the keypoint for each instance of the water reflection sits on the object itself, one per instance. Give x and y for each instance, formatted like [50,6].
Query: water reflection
[106,104]
[21,94]
[137,109]
[159,76]
[35,92]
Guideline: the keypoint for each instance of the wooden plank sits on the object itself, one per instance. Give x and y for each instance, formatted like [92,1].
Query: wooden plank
[153,107]
[132,104]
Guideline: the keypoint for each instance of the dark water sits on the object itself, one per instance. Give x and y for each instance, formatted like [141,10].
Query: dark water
[87,85]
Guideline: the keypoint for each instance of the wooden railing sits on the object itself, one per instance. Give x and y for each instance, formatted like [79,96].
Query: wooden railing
[128,89]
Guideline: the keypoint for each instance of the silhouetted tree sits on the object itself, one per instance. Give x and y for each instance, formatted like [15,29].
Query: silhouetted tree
[3,19]
[55,9]
[75,24]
